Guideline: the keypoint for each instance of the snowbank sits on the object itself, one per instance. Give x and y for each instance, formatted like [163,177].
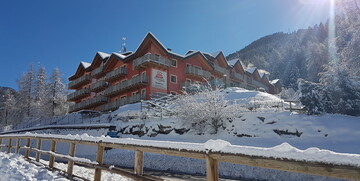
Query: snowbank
[14,167]
[282,151]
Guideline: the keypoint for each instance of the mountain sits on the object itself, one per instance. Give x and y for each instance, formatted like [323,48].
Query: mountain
[305,53]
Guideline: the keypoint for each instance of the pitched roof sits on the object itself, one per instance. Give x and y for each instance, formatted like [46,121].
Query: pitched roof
[274,81]
[103,55]
[250,70]
[85,64]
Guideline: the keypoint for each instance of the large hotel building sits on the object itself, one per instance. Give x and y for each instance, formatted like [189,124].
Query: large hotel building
[111,81]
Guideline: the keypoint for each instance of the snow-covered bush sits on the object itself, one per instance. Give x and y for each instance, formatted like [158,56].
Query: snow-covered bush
[205,109]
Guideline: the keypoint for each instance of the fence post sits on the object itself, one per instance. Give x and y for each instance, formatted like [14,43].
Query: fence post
[139,162]
[27,151]
[52,158]
[9,145]
[99,159]
[211,169]
[70,162]
[18,145]
[39,148]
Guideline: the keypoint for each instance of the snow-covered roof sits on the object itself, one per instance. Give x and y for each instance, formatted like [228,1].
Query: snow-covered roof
[85,64]
[274,81]
[103,55]
[215,54]
[120,55]
[261,74]
[251,70]
[232,62]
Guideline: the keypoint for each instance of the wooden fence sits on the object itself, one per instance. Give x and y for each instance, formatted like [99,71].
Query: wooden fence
[212,158]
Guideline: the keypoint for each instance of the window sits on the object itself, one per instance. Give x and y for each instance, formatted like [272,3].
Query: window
[187,83]
[173,79]
[173,63]
[134,93]
[188,65]
[143,93]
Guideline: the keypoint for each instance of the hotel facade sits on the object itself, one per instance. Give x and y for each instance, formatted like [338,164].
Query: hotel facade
[116,79]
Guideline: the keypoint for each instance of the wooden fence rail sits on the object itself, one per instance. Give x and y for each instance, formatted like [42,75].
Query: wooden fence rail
[350,172]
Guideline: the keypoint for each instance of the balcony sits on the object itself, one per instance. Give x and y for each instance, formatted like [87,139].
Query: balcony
[237,76]
[259,84]
[151,60]
[197,72]
[126,85]
[117,73]
[220,70]
[98,72]
[98,86]
[79,94]
[89,103]
[79,81]
[117,103]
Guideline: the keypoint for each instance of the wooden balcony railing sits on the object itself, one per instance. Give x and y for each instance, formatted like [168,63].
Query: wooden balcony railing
[79,81]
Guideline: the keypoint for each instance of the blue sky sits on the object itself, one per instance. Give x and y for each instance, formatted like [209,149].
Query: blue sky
[63,33]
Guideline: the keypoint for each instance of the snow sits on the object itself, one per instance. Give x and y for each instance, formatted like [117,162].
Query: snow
[216,145]
[253,129]
[274,81]
[85,64]
[119,55]
[103,55]
[14,167]
[232,62]
[282,151]
[251,70]
[215,54]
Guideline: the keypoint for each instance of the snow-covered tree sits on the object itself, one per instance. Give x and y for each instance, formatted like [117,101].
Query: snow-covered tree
[26,91]
[315,99]
[9,107]
[205,109]
[41,109]
[57,94]
[343,87]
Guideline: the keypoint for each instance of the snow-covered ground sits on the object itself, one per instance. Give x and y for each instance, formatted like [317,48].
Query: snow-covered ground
[268,125]
[13,167]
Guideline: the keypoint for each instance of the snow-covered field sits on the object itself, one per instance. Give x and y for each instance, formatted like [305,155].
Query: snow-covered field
[266,126]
